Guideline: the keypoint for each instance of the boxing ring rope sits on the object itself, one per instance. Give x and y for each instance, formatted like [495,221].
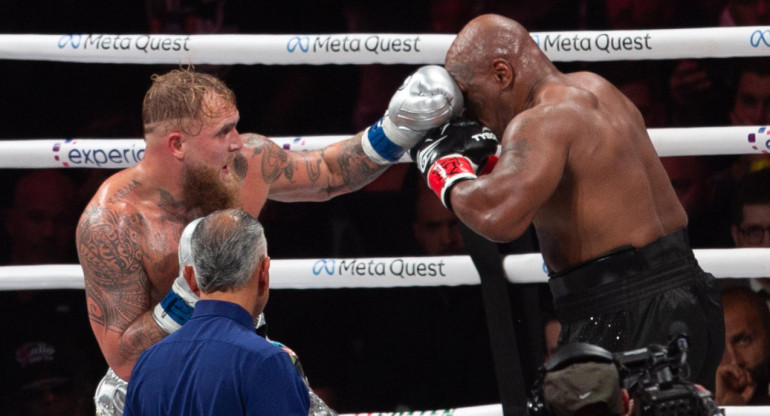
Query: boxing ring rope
[497,410]
[359,49]
[362,48]
[382,272]
[122,153]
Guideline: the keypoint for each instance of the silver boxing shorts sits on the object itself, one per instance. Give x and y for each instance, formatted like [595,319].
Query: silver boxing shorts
[110,395]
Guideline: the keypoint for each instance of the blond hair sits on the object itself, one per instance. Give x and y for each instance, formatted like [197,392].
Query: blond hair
[179,97]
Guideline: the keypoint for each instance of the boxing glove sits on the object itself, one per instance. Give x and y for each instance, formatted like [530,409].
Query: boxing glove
[457,151]
[427,99]
[177,306]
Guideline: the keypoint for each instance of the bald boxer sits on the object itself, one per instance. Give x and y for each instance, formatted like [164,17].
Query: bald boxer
[195,163]
[576,161]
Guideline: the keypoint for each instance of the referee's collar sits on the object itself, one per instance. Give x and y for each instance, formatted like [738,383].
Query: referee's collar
[209,307]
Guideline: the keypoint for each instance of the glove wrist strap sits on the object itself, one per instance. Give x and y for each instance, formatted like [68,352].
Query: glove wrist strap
[447,172]
[378,145]
[172,312]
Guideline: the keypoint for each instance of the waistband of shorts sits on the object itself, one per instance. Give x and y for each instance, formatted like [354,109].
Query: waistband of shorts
[622,263]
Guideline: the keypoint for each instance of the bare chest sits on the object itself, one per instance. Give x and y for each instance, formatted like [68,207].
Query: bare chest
[160,258]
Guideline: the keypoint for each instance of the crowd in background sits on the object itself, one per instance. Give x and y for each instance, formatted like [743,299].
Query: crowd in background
[363,349]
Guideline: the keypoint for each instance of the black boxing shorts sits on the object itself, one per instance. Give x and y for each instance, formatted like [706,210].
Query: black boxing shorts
[632,297]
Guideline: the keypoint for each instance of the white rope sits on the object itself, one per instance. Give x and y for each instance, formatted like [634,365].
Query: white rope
[486,410]
[370,48]
[382,272]
[497,410]
[122,153]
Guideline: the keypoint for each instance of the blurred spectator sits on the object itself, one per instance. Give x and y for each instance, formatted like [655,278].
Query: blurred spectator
[41,224]
[750,106]
[41,378]
[697,86]
[743,375]
[745,13]
[642,82]
[551,331]
[435,229]
[751,219]
[40,221]
[693,180]
[641,14]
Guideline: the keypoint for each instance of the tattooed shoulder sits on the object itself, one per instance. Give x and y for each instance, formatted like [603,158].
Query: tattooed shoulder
[124,191]
[254,142]
[171,208]
[109,245]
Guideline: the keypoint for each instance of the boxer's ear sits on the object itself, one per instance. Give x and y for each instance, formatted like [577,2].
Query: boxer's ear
[175,141]
[503,72]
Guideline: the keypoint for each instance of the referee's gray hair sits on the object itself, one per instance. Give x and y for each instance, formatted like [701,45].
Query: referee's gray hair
[226,249]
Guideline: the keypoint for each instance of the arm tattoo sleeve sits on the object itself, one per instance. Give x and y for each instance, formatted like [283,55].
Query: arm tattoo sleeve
[111,256]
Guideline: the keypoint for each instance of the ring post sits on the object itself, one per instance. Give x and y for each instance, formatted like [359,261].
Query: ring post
[502,336]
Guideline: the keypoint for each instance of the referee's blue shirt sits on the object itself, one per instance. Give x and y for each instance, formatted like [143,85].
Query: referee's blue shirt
[216,365]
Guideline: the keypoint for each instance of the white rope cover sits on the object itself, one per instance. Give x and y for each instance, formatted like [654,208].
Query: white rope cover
[369,48]
[497,410]
[381,272]
[122,153]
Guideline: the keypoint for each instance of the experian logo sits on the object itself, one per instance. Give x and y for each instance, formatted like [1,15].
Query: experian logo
[70,153]
[753,140]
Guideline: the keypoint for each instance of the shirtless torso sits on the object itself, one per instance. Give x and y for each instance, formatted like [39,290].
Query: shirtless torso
[576,160]
[128,235]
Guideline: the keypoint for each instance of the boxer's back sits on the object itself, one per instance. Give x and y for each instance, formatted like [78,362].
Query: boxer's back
[614,190]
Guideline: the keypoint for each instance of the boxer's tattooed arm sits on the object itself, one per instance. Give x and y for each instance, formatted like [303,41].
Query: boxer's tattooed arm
[356,167]
[117,288]
[312,175]
[274,160]
[517,149]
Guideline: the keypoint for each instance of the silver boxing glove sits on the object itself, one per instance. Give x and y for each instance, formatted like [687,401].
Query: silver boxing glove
[427,99]
[177,306]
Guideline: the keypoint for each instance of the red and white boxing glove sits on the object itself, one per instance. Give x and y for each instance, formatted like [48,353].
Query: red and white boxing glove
[459,150]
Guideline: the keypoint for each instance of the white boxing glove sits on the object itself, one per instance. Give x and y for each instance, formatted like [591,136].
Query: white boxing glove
[427,99]
[177,306]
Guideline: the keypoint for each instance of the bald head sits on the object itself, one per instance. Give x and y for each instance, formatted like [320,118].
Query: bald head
[484,38]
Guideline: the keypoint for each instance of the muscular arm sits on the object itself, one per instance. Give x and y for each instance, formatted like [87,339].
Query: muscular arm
[117,287]
[316,175]
[502,204]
